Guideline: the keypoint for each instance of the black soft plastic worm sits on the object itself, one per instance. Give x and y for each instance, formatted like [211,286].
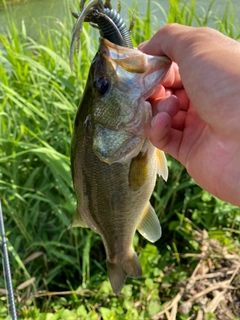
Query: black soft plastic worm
[101,16]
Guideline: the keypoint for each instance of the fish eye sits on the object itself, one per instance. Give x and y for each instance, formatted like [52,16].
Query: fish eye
[102,85]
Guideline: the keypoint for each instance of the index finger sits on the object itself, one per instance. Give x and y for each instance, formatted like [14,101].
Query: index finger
[172,80]
[171,40]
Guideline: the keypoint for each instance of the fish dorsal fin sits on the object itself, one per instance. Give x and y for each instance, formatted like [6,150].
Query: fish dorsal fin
[162,167]
[149,226]
[78,221]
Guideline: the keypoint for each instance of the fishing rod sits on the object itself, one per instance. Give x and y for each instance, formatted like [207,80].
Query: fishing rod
[6,267]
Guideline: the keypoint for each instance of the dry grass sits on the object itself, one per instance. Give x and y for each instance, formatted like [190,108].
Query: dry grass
[213,288]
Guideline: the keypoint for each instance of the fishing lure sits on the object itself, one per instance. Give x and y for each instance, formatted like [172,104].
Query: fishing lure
[106,19]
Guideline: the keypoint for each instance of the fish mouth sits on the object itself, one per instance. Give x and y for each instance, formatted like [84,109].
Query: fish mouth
[136,63]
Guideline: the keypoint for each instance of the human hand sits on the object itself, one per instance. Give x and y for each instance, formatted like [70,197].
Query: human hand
[196,110]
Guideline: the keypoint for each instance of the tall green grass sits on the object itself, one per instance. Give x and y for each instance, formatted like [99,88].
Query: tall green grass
[38,100]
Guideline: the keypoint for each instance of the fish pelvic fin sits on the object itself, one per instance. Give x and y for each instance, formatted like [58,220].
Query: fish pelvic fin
[117,272]
[162,167]
[78,221]
[149,226]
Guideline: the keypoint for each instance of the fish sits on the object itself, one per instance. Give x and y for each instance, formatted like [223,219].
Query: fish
[114,166]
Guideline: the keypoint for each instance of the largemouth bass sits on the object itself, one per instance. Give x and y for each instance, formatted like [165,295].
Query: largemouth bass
[114,166]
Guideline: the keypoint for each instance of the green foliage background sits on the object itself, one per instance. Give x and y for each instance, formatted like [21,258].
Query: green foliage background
[38,99]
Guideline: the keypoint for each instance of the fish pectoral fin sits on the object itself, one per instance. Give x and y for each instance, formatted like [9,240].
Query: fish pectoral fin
[149,226]
[162,167]
[138,171]
[78,221]
[117,272]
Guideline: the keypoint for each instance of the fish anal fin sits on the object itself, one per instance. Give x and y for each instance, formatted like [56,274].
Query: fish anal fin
[149,226]
[78,221]
[118,271]
[162,167]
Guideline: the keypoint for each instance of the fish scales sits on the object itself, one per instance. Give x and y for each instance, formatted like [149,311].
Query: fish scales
[104,188]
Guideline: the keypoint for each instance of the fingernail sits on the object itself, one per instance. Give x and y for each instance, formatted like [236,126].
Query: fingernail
[153,121]
[164,104]
[142,45]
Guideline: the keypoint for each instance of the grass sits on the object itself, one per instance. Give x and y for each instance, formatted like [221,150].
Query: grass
[60,273]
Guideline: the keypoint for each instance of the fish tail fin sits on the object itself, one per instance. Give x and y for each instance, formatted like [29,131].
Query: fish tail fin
[117,272]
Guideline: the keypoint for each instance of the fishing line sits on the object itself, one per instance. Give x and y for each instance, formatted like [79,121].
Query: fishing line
[6,267]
